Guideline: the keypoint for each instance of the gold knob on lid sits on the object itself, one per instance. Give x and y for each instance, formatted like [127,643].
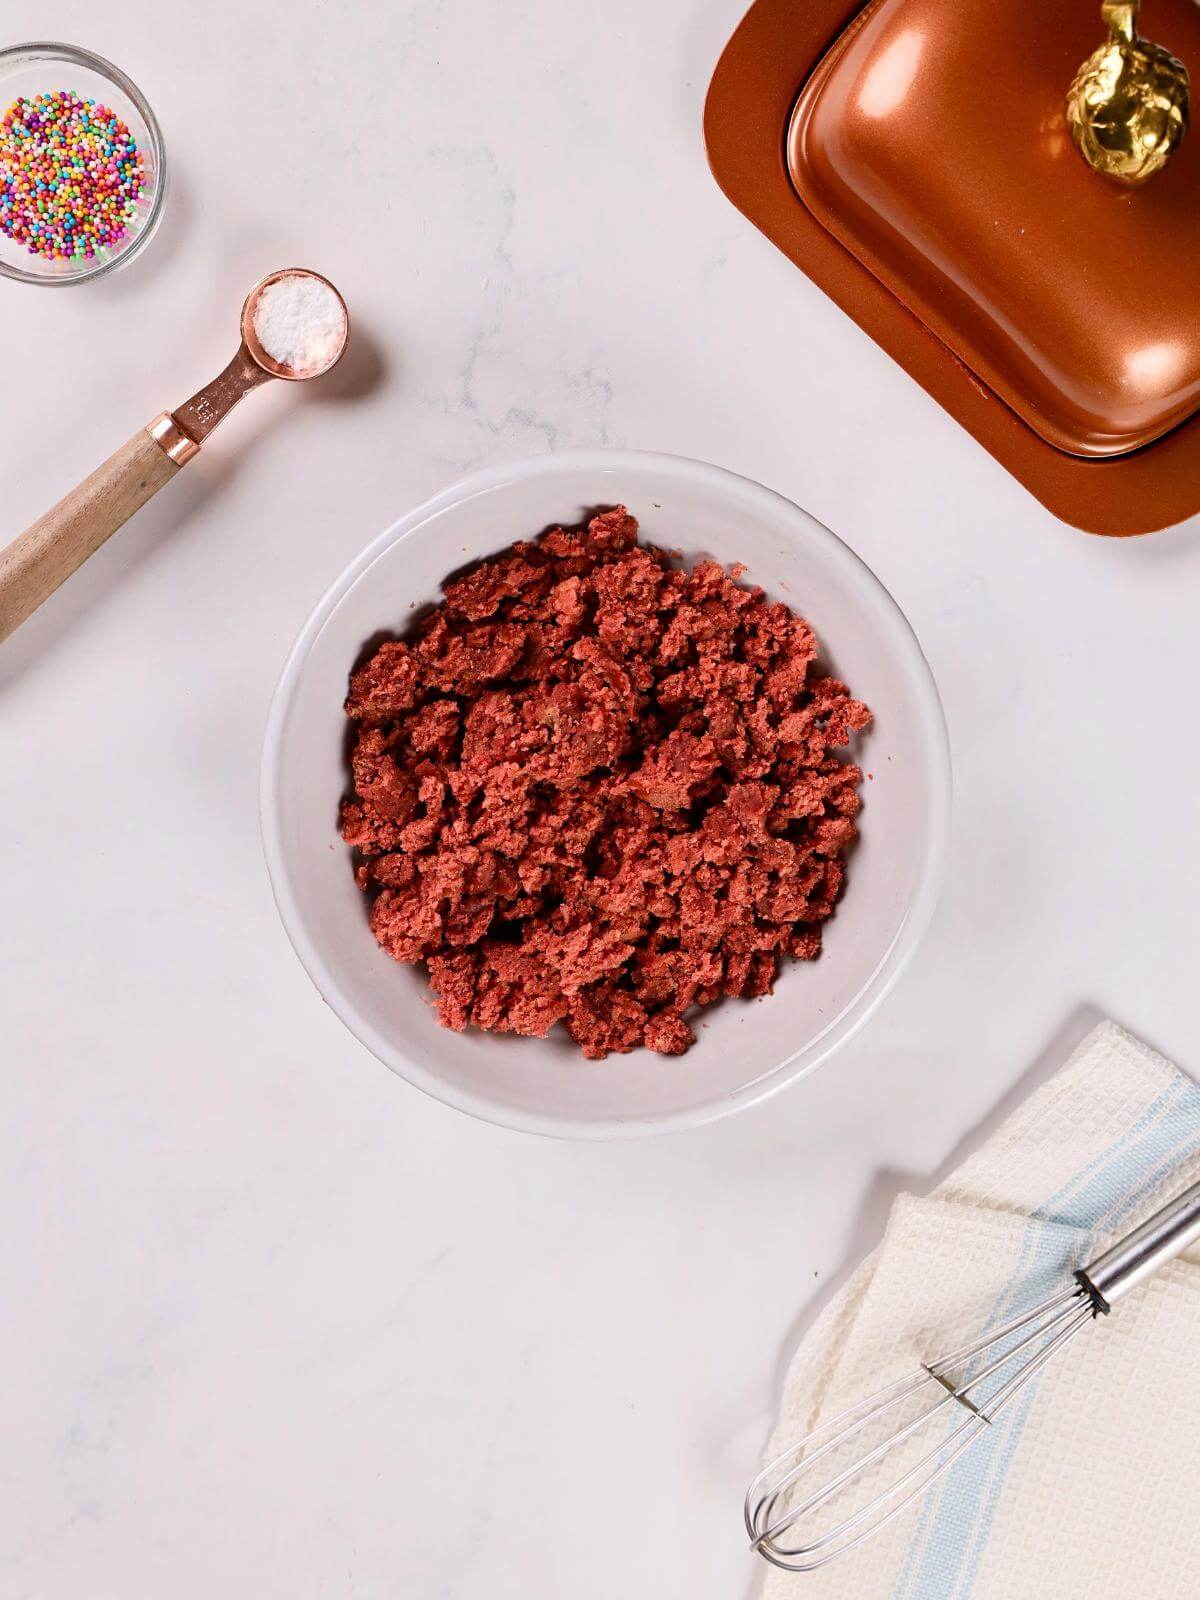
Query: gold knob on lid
[1128,106]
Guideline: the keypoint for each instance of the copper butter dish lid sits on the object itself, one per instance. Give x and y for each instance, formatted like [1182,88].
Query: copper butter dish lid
[932,141]
[1016,180]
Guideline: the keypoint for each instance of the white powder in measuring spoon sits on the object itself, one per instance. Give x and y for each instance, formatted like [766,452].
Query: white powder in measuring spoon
[300,323]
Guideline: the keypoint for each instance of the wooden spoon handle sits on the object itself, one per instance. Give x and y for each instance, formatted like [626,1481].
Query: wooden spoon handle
[48,552]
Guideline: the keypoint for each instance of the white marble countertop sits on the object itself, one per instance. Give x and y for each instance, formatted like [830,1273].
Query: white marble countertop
[276,1324]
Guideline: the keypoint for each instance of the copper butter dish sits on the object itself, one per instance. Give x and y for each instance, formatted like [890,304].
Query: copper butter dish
[924,162]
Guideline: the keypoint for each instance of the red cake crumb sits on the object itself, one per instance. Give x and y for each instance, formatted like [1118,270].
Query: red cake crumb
[596,789]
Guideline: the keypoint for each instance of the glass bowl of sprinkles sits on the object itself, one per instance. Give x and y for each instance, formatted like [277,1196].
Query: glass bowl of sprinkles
[82,174]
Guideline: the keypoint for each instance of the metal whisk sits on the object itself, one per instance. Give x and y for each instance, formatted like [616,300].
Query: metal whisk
[792,1512]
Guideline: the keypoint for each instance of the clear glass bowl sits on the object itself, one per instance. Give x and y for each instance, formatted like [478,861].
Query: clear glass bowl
[28,69]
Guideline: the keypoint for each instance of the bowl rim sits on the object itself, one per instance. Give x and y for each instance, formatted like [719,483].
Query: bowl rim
[104,68]
[808,1056]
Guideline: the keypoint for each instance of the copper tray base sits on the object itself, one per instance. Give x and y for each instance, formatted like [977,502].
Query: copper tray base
[746,116]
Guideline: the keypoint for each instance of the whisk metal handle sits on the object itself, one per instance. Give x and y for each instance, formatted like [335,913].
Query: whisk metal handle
[1167,1234]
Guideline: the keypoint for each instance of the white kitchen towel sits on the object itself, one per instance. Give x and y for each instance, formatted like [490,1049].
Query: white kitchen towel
[1089,1484]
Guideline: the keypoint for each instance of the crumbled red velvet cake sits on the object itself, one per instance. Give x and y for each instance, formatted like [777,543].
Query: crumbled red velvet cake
[594,788]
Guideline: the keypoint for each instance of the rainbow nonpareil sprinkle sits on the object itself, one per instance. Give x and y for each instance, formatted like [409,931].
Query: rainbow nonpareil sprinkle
[70,176]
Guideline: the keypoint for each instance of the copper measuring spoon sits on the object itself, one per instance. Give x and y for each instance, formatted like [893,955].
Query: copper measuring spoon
[37,561]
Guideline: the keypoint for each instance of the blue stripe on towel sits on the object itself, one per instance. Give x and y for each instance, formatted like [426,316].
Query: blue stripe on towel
[948,1544]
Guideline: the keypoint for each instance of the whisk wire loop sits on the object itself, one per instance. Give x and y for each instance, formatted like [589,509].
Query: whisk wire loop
[958,1379]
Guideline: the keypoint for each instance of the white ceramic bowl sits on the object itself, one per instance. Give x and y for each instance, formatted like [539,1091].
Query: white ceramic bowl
[745,1050]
